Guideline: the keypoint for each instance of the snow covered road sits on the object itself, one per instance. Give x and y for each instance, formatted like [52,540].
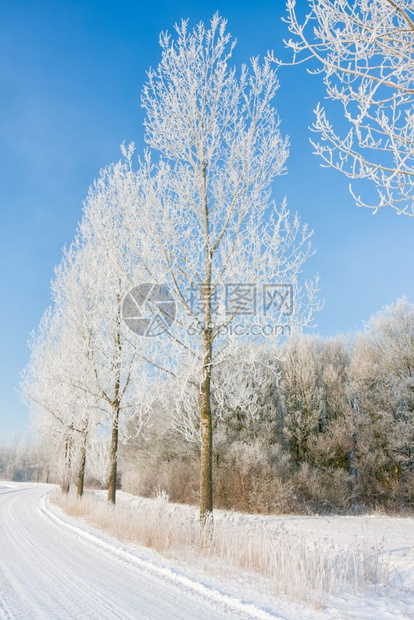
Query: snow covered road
[52,569]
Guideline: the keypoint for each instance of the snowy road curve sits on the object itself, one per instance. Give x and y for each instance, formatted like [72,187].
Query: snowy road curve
[52,569]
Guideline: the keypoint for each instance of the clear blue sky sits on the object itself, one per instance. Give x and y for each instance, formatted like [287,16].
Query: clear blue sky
[70,79]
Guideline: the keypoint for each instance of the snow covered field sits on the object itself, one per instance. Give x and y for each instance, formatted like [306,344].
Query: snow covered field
[56,566]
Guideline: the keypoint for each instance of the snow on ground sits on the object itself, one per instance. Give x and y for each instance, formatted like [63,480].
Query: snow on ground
[393,535]
[54,566]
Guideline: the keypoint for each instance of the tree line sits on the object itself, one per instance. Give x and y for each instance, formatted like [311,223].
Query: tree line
[333,431]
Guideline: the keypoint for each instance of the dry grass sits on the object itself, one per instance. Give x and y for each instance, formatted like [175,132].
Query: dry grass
[302,570]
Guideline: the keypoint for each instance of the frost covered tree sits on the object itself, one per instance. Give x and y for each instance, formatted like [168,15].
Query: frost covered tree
[382,373]
[210,231]
[71,299]
[314,395]
[99,458]
[84,370]
[107,269]
[10,456]
[301,389]
[26,458]
[365,52]
[55,386]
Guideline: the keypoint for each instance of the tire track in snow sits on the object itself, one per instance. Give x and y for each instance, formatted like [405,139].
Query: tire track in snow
[180,582]
[51,568]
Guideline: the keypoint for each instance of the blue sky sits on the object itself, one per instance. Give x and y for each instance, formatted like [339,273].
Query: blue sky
[70,81]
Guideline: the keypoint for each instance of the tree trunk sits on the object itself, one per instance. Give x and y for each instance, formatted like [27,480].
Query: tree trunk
[81,473]
[116,403]
[206,464]
[113,457]
[82,463]
[65,486]
[206,461]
